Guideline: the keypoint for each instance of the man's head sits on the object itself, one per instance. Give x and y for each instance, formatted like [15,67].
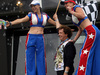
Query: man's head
[64,32]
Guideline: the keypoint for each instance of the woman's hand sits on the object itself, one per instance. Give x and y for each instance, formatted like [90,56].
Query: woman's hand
[55,16]
[72,41]
[69,9]
[7,23]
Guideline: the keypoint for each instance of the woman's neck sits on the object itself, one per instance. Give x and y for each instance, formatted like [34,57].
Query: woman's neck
[38,12]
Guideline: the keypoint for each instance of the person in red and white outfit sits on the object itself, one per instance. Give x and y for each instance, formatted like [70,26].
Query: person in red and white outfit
[89,63]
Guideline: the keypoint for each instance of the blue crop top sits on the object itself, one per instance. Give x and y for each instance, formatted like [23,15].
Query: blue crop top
[35,21]
[76,21]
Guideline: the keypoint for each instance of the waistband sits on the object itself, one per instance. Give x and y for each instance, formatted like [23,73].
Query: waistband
[82,20]
[88,28]
[37,26]
[35,34]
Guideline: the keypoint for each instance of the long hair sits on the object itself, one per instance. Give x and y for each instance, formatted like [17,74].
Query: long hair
[41,9]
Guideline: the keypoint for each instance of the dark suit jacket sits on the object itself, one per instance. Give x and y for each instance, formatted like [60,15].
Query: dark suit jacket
[69,55]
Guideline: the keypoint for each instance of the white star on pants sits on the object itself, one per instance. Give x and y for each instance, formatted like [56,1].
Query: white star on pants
[85,51]
[82,68]
[91,36]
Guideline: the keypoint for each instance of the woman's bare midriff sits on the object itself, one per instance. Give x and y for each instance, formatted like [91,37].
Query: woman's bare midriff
[36,30]
[85,23]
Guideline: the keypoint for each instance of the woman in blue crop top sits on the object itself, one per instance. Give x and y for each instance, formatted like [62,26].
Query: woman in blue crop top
[35,40]
[89,63]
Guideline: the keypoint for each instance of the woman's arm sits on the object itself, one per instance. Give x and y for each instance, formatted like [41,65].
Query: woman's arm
[18,21]
[79,13]
[51,21]
[78,34]
[55,17]
[56,22]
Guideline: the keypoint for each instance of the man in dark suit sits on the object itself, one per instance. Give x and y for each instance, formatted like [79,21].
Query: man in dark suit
[66,51]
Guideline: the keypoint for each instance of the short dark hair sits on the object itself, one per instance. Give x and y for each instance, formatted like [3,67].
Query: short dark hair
[67,30]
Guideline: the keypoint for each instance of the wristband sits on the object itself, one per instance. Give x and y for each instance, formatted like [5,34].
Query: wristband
[66,72]
[56,20]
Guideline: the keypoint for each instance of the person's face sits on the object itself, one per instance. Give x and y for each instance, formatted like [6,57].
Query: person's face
[69,4]
[35,8]
[62,35]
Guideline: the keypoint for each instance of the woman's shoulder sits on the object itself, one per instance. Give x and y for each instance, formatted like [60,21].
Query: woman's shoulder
[76,7]
[44,13]
[30,12]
